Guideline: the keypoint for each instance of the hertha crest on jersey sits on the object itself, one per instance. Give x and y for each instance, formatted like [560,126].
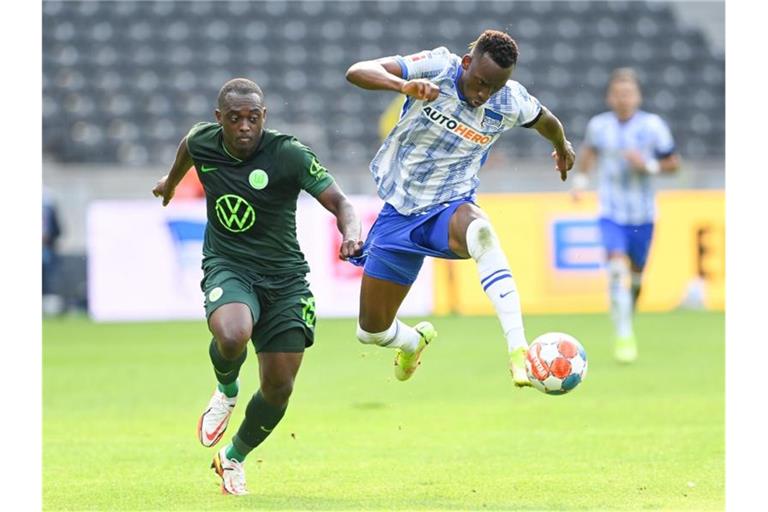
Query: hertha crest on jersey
[492,119]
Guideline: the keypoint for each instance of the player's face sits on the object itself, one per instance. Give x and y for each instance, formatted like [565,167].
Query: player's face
[242,119]
[482,78]
[624,98]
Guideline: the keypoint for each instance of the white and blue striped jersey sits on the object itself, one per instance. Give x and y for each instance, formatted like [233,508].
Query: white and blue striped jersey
[626,196]
[435,150]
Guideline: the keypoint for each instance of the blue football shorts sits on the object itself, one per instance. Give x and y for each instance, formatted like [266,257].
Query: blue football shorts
[630,239]
[397,244]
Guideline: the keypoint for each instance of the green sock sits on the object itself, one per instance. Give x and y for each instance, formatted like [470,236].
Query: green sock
[230,389]
[233,453]
[635,296]
[226,370]
[260,419]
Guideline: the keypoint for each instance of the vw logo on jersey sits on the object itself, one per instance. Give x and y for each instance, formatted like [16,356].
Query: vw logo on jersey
[235,213]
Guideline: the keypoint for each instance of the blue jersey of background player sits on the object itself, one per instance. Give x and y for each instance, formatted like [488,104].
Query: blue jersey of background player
[627,146]
[426,172]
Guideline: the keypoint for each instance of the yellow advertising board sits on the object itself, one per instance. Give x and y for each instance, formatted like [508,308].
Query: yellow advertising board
[554,251]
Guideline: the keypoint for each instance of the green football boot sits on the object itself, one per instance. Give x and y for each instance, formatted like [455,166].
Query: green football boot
[405,363]
[517,367]
[625,350]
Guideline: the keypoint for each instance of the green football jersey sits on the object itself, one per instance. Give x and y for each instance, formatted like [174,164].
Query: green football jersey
[251,204]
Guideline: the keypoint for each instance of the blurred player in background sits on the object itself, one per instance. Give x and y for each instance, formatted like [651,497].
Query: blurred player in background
[254,272]
[51,232]
[627,146]
[426,172]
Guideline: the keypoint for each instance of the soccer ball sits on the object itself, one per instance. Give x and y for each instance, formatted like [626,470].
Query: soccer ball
[556,363]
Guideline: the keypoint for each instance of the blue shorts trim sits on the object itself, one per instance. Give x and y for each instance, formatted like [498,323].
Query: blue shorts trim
[397,244]
[632,240]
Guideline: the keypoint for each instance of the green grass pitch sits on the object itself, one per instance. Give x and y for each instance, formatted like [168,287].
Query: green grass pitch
[121,401]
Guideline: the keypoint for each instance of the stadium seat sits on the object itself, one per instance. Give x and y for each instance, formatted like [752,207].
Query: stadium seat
[112,67]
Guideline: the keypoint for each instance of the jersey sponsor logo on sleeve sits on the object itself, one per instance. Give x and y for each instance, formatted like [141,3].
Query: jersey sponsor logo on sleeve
[317,170]
[418,56]
[457,127]
[234,213]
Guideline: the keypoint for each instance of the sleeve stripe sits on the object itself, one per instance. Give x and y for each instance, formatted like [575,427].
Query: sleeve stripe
[533,121]
[660,155]
[403,67]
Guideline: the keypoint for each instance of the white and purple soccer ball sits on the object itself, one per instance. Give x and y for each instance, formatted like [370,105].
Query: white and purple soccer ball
[556,363]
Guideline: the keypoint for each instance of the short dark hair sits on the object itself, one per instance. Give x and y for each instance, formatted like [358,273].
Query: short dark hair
[239,86]
[624,74]
[498,45]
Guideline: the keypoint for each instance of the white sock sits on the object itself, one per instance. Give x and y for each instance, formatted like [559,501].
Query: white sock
[399,335]
[621,297]
[496,280]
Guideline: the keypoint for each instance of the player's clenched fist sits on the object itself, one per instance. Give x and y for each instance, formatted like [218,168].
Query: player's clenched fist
[350,248]
[420,89]
[564,159]
[163,190]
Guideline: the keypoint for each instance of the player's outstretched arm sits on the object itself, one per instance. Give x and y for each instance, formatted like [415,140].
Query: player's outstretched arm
[166,185]
[334,200]
[638,163]
[587,160]
[670,163]
[551,129]
[385,75]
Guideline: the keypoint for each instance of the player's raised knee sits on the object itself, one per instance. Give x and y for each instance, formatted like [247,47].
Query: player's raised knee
[481,237]
[618,267]
[232,340]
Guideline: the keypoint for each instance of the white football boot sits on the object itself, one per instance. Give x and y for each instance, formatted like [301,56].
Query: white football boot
[213,422]
[231,472]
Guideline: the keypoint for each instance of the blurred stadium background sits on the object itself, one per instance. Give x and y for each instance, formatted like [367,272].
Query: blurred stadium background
[123,82]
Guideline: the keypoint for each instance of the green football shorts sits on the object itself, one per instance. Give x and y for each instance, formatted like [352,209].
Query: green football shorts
[278,304]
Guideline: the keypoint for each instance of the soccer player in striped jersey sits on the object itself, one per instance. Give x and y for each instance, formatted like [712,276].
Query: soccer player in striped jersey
[627,146]
[426,172]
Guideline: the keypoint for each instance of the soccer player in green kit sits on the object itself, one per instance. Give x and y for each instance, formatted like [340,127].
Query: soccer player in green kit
[254,271]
